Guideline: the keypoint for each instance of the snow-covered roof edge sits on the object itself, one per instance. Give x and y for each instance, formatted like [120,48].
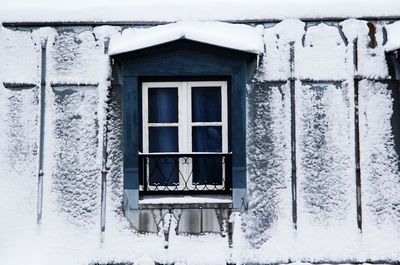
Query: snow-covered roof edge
[178,10]
[234,36]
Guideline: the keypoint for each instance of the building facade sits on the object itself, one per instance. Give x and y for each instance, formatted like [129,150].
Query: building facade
[200,142]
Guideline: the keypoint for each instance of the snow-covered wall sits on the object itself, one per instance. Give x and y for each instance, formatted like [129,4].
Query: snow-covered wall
[303,210]
[269,165]
[323,63]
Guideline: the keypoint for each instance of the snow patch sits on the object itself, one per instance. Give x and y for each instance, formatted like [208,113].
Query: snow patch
[269,163]
[77,58]
[380,172]
[393,36]
[75,175]
[352,28]
[103,32]
[325,171]
[18,169]
[44,34]
[323,56]
[371,60]
[19,56]
[277,60]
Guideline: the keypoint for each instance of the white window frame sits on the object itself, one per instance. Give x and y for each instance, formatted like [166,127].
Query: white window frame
[185,123]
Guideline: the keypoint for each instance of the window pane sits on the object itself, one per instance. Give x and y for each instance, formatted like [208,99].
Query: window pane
[206,104]
[163,104]
[163,139]
[207,170]
[207,139]
[163,171]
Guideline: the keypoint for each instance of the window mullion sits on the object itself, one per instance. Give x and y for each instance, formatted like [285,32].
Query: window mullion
[169,124]
[189,116]
[189,167]
[214,123]
[182,119]
[145,119]
[182,128]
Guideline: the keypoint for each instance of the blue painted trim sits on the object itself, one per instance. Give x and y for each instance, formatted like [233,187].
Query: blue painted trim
[131,178]
[185,60]
[238,120]
[130,132]
[239,198]
[239,177]
[131,200]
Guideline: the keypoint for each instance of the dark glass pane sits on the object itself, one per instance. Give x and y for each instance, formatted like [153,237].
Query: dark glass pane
[163,171]
[163,104]
[206,104]
[207,139]
[207,170]
[163,139]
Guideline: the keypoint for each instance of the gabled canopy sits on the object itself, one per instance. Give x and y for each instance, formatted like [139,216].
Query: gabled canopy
[234,36]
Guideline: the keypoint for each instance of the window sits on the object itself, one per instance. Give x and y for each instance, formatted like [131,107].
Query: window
[185,136]
[195,61]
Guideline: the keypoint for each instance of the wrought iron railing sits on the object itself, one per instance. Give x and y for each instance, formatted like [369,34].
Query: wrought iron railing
[163,173]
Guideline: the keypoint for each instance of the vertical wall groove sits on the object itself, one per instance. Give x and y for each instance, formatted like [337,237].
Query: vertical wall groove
[104,169]
[41,133]
[357,137]
[293,136]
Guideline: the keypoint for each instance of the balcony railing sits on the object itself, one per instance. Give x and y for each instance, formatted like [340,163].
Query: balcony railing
[174,173]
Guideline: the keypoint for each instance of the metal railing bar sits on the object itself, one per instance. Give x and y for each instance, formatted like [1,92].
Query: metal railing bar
[210,172]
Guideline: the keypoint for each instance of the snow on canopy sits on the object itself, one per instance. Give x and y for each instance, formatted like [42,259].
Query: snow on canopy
[177,10]
[238,37]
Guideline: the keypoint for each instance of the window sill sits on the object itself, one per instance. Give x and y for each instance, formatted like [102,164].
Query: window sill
[185,202]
